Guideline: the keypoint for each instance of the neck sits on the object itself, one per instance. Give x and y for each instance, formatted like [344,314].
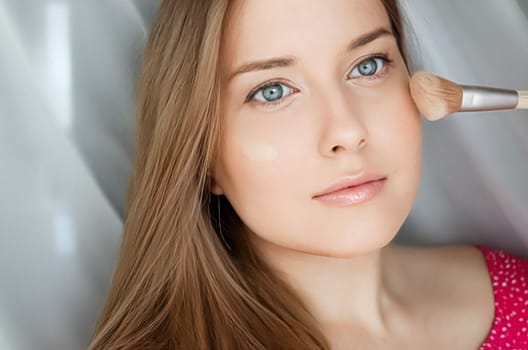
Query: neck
[353,291]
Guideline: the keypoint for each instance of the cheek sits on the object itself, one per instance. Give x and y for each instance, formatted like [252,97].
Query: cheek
[403,133]
[402,119]
[263,160]
[257,181]
[260,150]
[394,126]
[393,120]
[255,163]
[403,138]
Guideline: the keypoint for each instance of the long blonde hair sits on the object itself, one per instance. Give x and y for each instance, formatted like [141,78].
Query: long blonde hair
[187,277]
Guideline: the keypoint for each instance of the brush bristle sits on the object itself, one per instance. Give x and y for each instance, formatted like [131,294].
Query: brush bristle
[523,100]
[435,97]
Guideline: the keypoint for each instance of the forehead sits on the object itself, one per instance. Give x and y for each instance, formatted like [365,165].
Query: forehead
[259,29]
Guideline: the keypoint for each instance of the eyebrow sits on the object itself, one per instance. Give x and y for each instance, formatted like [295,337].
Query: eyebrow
[278,62]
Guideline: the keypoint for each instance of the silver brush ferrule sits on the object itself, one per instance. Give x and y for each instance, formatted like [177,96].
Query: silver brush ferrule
[479,98]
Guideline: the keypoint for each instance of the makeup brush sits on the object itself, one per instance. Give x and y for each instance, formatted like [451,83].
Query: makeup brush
[437,97]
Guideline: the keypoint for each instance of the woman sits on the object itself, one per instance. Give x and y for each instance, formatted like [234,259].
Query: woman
[251,115]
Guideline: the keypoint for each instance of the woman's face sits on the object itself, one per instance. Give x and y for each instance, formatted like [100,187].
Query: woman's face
[322,95]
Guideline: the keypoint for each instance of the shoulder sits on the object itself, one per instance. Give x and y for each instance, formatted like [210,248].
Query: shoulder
[453,283]
[509,275]
[460,271]
[448,261]
[502,262]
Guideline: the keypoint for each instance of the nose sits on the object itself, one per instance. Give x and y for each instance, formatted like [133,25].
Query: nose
[342,128]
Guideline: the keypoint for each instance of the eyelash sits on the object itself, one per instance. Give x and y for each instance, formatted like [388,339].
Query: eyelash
[384,57]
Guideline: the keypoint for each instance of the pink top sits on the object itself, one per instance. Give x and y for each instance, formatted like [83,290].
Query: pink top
[509,275]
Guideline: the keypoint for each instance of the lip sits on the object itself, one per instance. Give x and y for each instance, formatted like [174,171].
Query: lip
[354,195]
[350,181]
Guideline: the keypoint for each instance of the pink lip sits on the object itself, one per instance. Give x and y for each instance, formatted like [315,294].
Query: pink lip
[350,181]
[352,195]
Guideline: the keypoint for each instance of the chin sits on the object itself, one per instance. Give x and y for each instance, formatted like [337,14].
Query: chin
[344,249]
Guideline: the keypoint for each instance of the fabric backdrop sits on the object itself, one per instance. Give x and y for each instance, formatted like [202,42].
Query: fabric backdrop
[68,69]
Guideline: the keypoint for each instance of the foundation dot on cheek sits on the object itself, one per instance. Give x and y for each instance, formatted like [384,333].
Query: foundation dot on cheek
[259,151]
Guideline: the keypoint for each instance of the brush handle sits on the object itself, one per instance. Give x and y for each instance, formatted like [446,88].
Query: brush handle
[480,98]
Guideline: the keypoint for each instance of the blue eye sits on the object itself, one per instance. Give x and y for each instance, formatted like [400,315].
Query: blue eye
[271,93]
[369,67]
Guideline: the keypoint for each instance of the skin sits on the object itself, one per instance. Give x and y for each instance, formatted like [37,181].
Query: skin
[332,122]
[331,127]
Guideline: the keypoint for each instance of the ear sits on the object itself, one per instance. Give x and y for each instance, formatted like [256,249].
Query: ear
[215,188]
